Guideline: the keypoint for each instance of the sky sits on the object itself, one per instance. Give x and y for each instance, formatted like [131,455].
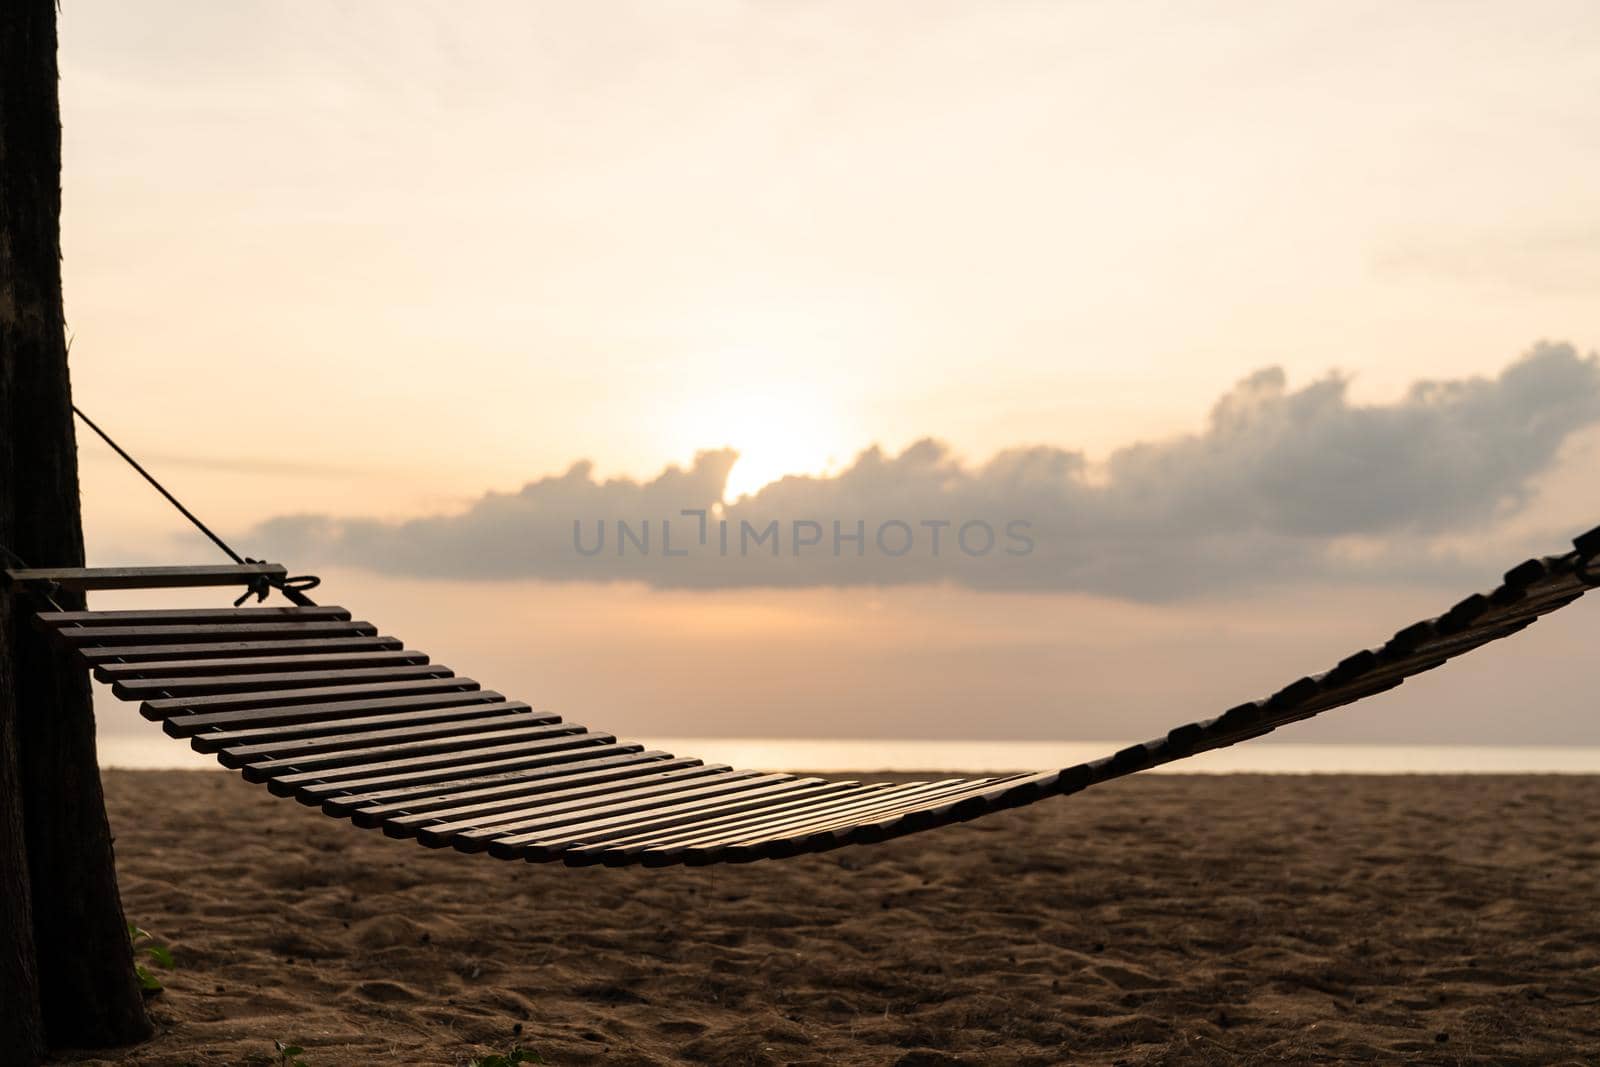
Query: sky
[1272,326]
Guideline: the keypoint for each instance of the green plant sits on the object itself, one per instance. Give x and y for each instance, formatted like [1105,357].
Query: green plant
[517,1055]
[289,1055]
[145,947]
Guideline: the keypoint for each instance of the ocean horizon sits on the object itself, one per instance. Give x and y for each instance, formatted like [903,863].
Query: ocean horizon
[867,755]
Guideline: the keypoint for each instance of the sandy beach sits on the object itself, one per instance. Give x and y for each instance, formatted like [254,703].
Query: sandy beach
[1175,920]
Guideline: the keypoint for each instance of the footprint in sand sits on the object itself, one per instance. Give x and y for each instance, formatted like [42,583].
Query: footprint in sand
[385,992]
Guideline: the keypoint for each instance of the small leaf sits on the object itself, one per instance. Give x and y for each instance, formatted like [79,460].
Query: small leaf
[147,981]
[161,956]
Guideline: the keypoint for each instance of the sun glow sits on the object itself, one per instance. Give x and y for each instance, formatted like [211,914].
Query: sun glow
[778,429]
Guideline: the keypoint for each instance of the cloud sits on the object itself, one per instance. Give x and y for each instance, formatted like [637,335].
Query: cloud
[1281,483]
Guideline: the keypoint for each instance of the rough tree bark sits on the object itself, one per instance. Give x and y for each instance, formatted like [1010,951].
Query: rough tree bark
[21,1028]
[88,995]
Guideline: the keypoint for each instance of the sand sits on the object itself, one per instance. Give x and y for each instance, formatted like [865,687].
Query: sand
[1172,920]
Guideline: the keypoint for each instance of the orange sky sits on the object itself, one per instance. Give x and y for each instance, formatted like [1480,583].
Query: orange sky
[378,259]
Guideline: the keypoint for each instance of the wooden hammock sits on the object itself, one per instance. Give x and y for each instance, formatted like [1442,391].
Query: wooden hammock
[324,708]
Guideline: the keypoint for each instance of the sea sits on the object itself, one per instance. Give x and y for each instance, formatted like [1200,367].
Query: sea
[862,756]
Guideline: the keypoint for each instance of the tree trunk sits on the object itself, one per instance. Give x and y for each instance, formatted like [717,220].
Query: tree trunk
[88,994]
[21,1028]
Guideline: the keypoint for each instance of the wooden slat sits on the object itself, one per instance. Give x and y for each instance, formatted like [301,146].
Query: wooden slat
[78,636]
[891,798]
[361,758]
[720,825]
[662,818]
[546,831]
[868,829]
[216,685]
[182,668]
[363,743]
[370,807]
[757,824]
[932,804]
[993,795]
[438,833]
[401,818]
[231,649]
[189,725]
[163,707]
[314,787]
[91,578]
[539,828]
[621,849]
[176,616]
[212,742]
[868,821]
[1435,651]
[778,840]
[553,811]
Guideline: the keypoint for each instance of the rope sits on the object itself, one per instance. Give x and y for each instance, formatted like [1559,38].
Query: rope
[185,512]
[293,588]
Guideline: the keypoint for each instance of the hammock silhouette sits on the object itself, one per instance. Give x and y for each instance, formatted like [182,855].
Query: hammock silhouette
[325,709]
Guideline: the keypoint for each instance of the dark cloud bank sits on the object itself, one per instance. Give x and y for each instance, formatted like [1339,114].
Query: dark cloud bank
[1281,483]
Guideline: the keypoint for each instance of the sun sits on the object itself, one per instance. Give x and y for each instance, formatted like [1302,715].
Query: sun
[777,428]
